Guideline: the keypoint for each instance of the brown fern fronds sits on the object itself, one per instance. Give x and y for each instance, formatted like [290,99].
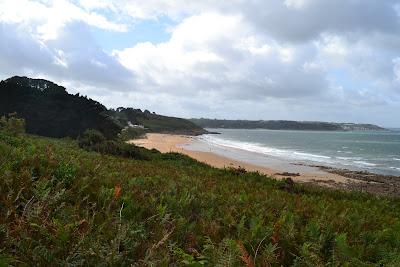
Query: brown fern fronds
[83,226]
[246,257]
[117,191]
[161,242]
[276,234]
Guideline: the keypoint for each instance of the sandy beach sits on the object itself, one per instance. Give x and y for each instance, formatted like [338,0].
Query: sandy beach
[176,143]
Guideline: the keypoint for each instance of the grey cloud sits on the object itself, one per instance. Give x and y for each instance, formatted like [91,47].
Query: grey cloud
[73,56]
[337,16]
[87,62]
[277,19]
[20,52]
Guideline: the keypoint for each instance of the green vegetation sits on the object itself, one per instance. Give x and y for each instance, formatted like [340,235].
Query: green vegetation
[285,125]
[93,140]
[156,123]
[129,133]
[64,205]
[50,110]
[12,125]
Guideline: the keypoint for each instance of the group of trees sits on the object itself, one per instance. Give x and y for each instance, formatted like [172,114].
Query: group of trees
[49,110]
[154,122]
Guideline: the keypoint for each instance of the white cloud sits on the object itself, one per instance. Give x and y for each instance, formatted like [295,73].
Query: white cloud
[288,20]
[203,55]
[333,46]
[97,4]
[59,58]
[47,20]
[297,4]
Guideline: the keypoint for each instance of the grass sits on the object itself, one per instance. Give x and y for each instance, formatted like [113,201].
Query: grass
[62,205]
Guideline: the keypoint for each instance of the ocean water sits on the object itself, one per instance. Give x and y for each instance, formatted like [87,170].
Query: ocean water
[377,152]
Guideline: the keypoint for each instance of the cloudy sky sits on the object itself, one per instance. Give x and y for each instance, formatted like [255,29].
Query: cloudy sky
[330,60]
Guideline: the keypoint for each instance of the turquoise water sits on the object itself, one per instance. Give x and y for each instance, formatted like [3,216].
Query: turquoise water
[371,151]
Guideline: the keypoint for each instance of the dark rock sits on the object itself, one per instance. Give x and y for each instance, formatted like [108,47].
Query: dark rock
[288,174]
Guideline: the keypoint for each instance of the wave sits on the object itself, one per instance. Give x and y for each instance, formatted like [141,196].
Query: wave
[262,149]
[367,164]
[251,147]
[396,159]
[349,158]
[294,155]
[311,155]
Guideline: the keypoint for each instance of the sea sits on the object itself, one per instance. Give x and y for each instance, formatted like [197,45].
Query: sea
[372,151]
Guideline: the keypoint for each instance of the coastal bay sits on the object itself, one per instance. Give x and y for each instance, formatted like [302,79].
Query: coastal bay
[181,143]
[278,168]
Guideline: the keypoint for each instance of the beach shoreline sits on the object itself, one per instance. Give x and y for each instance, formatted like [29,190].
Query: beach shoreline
[177,143]
[320,175]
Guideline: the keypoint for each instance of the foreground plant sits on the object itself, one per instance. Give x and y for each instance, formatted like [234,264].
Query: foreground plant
[64,205]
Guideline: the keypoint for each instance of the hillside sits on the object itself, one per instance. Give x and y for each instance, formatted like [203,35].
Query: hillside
[285,125]
[154,122]
[49,110]
[62,205]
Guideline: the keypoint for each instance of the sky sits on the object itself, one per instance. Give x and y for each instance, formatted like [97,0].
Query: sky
[326,60]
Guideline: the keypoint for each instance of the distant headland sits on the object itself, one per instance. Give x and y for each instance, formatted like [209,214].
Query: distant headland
[285,125]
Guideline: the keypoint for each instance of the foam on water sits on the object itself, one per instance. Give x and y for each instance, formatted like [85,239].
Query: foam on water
[350,150]
[286,153]
[269,151]
[311,155]
[367,164]
[252,147]
[349,158]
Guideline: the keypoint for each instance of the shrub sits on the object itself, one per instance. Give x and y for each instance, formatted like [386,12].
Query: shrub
[117,148]
[65,173]
[93,140]
[90,138]
[236,170]
[12,124]
[130,133]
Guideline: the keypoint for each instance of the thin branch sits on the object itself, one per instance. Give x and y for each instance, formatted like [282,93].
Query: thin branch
[259,245]
[120,211]
[23,213]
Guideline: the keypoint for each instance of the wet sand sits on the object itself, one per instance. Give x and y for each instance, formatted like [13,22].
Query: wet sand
[176,143]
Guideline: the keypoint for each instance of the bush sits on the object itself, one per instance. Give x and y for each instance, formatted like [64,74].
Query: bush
[116,148]
[12,125]
[236,170]
[93,140]
[130,133]
[90,138]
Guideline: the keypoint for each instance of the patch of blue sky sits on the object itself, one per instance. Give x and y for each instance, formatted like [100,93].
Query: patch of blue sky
[153,30]
[343,78]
